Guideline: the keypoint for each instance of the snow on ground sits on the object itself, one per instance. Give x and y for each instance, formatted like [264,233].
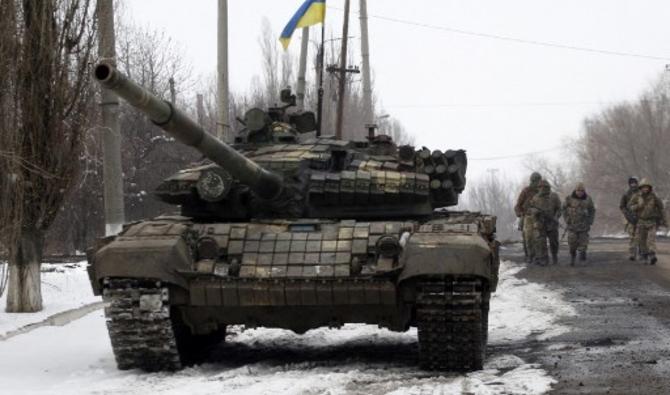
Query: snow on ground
[64,287]
[357,359]
[520,309]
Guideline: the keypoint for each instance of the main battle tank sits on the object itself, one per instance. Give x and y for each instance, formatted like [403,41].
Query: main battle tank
[286,229]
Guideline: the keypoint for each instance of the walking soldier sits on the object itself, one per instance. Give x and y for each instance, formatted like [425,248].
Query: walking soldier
[648,209]
[630,218]
[578,213]
[525,218]
[545,208]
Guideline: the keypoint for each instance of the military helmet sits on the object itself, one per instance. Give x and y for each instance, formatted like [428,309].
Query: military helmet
[544,184]
[580,187]
[535,177]
[632,179]
[645,183]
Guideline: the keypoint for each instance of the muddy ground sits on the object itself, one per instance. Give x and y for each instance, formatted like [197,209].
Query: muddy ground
[619,340]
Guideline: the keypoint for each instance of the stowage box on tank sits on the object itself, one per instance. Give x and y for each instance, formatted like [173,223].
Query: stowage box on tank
[285,229]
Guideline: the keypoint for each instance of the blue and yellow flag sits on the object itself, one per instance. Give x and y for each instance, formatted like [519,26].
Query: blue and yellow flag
[310,13]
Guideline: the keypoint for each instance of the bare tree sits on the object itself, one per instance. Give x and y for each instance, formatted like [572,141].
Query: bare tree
[152,59]
[623,140]
[495,194]
[46,60]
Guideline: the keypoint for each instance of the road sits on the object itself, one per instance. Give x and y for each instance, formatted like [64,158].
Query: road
[619,340]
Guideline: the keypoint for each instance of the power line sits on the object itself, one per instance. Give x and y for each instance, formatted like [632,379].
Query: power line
[485,105]
[515,39]
[660,101]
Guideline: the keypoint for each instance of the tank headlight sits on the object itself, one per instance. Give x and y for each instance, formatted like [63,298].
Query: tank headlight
[207,248]
[214,184]
[388,246]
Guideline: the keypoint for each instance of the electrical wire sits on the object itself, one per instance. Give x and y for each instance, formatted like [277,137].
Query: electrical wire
[486,105]
[517,40]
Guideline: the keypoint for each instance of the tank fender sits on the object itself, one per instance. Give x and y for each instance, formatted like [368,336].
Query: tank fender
[158,257]
[428,254]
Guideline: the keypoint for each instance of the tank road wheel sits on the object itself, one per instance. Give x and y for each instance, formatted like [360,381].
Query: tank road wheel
[450,323]
[139,325]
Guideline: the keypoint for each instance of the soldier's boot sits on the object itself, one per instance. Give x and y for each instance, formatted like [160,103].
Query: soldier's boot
[573,256]
[644,258]
[632,257]
[554,259]
[652,259]
[582,256]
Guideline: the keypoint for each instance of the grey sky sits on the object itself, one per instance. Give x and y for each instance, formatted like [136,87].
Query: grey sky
[491,97]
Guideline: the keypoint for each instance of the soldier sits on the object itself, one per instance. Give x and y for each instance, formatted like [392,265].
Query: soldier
[525,219]
[648,209]
[578,213]
[545,207]
[630,218]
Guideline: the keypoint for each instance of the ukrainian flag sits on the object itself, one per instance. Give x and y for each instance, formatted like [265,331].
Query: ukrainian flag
[310,13]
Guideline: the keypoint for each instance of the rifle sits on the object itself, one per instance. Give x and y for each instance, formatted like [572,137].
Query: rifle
[630,216]
[548,217]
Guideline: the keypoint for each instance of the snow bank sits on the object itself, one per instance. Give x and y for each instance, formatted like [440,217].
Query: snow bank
[64,287]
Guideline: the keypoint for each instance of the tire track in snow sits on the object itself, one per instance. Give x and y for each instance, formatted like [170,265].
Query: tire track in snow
[59,319]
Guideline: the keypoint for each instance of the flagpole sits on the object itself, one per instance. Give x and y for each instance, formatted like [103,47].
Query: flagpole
[300,91]
[343,72]
[320,92]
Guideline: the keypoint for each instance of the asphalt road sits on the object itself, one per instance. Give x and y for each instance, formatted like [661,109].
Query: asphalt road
[619,341]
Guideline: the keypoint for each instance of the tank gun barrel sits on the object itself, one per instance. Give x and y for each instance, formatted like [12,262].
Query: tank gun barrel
[264,183]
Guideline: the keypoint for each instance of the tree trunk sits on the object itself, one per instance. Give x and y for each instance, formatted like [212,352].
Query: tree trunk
[24,292]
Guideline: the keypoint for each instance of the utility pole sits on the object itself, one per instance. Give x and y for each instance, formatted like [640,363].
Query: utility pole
[223,125]
[302,70]
[319,103]
[112,170]
[365,58]
[343,72]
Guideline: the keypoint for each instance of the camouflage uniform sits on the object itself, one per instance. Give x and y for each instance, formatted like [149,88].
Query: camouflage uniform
[650,215]
[526,220]
[545,207]
[629,217]
[578,213]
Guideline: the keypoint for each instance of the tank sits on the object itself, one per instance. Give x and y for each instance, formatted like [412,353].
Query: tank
[284,228]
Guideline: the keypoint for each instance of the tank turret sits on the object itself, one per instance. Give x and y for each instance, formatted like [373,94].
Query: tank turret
[278,169]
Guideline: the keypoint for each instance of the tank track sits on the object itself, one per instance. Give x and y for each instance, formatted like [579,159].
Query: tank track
[139,325]
[450,321]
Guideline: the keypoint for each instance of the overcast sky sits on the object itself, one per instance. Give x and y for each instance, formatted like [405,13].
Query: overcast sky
[492,97]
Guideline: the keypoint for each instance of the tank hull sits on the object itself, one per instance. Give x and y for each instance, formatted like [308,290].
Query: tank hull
[298,275]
